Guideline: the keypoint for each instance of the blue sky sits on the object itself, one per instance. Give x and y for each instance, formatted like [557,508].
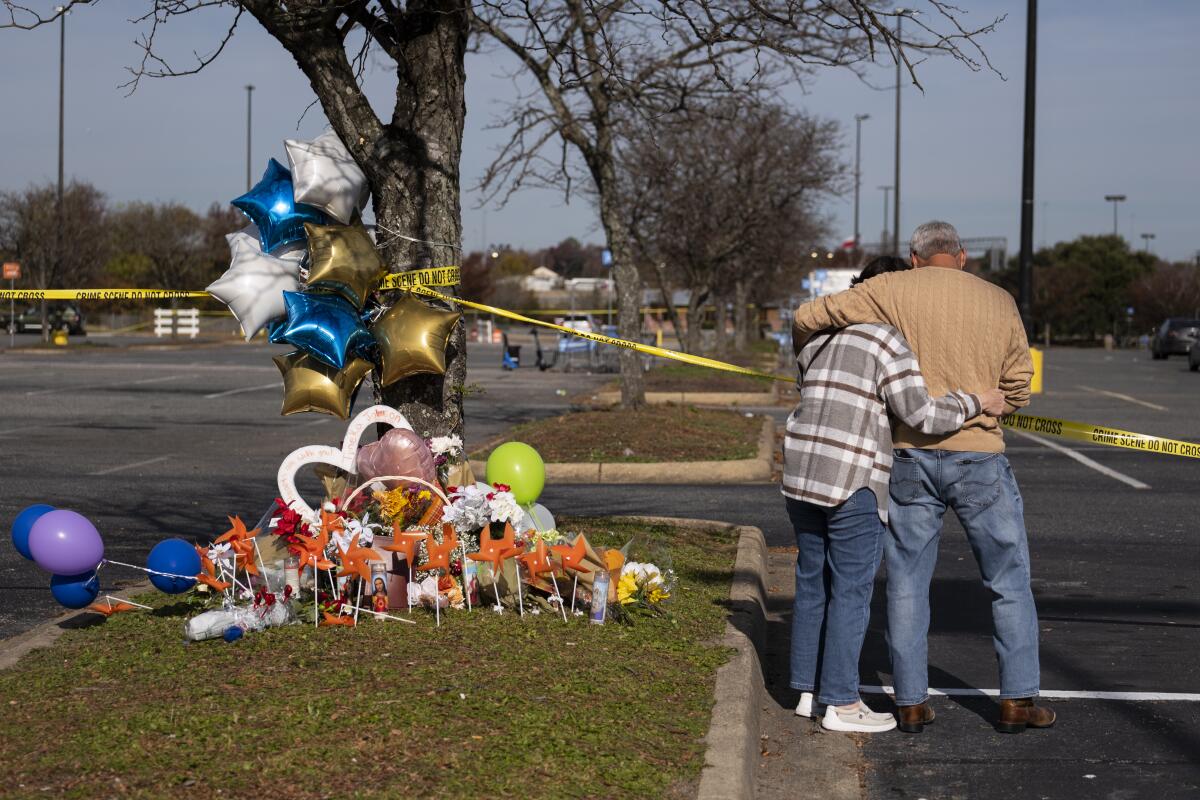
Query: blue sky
[1118,112]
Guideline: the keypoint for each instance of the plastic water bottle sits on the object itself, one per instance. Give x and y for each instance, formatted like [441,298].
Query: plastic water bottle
[600,598]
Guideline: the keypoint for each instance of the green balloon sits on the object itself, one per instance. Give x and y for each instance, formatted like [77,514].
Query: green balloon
[518,466]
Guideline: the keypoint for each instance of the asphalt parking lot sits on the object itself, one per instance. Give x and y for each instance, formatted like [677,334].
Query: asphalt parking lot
[159,442]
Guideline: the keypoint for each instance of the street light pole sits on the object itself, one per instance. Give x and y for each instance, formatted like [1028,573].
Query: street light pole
[58,205]
[1146,239]
[1025,284]
[1114,199]
[858,121]
[249,114]
[883,243]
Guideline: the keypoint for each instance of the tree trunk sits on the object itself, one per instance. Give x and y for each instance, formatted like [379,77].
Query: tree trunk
[721,347]
[660,269]
[741,315]
[629,289]
[696,299]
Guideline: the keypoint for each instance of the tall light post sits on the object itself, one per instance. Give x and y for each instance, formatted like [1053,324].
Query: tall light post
[249,114]
[1025,280]
[1146,239]
[1115,199]
[883,242]
[901,13]
[58,204]
[858,121]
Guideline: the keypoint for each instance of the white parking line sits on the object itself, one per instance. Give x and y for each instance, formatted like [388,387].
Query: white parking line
[104,385]
[145,463]
[1124,397]
[1087,462]
[244,389]
[1056,694]
[8,431]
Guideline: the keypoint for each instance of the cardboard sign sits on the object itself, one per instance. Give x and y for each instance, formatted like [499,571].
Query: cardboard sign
[12,270]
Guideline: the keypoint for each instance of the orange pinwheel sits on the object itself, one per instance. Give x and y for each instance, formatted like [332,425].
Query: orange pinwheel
[439,554]
[495,551]
[241,542]
[354,560]
[405,543]
[333,620]
[208,572]
[237,532]
[311,550]
[571,556]
[108,607]
[537,562]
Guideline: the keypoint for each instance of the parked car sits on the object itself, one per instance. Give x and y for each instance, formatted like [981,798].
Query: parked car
[1175,337]
[1194,357]
[59,316]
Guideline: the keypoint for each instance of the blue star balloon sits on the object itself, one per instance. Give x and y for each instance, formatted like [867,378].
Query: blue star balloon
[325,325]
[269,205]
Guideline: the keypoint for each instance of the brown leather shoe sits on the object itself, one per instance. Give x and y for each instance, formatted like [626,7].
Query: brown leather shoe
[913,719]
[1017,715]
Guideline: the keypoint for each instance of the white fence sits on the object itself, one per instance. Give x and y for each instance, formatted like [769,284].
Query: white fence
[173,321]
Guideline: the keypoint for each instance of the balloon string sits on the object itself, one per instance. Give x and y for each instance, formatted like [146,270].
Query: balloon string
[395,236]
[147,570]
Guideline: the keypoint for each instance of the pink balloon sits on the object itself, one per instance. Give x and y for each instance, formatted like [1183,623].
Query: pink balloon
[399,452]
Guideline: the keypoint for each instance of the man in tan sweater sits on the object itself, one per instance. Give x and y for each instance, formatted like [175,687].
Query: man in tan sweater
[966,334]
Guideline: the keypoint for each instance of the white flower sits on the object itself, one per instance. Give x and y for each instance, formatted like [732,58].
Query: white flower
[328,506]
[365,530]
[445,445]
[218,551]
[503,507]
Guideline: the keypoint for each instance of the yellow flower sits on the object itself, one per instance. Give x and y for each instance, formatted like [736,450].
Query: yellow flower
[392,503]
[424,494]
[626,589]
[657,595]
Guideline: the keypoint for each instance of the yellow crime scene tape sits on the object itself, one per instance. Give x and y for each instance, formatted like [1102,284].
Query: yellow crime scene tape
[418,282]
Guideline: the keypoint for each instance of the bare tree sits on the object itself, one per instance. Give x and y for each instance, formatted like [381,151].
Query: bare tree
[410,155]
[600,68]
[31,227]
[714,198]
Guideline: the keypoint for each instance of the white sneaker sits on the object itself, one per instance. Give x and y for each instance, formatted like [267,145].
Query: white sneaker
[808,706]
[859,719]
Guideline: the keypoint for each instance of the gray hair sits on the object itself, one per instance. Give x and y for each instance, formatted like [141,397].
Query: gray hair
[935,237]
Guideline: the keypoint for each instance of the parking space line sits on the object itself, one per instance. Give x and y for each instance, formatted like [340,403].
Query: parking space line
[274,385]
[8,431]
[160,379]
[1056,694]
[145,463]
[1124,397]
[1087,462]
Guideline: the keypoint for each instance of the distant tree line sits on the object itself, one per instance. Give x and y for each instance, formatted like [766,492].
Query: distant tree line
[1085,288]
[96,243]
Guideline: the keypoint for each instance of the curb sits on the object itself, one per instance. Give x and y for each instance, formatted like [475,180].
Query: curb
[696,398]
[742,470]
[732,742]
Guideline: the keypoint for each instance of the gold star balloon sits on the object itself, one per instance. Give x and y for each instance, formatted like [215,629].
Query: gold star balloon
[412,338]
[343,259]
[309,384]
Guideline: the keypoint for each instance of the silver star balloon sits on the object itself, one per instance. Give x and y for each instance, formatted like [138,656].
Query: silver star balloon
[254,284]
[326,176]
[294,251]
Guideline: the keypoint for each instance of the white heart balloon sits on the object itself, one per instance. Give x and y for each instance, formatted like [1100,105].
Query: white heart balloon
[343,459]
[254,284]
[326,176]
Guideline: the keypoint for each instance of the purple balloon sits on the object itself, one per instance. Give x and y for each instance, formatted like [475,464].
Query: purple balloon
[65,543]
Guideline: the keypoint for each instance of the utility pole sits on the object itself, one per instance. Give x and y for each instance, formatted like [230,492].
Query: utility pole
[249,114]
[1025,285]
[901,13]
[58,206]
[1115,199]
[858,121]
[883,242]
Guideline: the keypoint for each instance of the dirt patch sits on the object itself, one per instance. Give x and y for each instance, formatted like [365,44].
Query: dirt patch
[651,434]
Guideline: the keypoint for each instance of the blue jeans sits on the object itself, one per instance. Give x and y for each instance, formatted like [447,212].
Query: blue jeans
[838,554]
[981,489]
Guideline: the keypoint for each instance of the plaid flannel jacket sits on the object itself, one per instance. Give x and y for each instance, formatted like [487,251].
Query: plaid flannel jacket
[839,438]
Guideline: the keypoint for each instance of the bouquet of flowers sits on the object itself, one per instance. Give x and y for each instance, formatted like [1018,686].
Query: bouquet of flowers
[643,585]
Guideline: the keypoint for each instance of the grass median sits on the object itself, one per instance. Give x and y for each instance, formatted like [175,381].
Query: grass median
[485,706]
[649,434]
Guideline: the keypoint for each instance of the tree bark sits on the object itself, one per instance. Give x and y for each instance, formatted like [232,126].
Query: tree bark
[664,286]
[696,299]
[629,284]
[721,347]
[741,315]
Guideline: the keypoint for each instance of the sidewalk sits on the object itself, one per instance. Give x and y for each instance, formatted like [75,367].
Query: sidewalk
[798,758]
